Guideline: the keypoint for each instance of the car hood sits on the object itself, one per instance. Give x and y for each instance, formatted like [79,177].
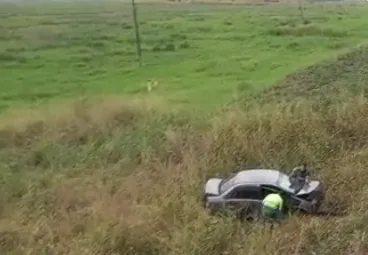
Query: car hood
[212,186]
[308,188]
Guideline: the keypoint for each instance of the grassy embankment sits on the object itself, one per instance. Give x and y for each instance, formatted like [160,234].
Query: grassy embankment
[123,177]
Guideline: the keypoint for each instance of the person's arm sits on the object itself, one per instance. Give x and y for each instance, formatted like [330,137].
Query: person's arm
[307,179]
[293,173]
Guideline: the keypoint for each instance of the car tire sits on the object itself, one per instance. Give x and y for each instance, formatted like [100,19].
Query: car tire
[205,201]
[246,214]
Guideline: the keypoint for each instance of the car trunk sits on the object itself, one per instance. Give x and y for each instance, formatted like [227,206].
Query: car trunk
[212,187]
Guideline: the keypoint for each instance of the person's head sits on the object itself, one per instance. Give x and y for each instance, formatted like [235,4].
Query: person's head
[304,169]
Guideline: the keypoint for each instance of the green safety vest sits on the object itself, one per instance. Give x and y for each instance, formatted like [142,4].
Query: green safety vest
[273,201]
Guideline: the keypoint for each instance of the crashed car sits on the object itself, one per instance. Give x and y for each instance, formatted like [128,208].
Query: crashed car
[245,190]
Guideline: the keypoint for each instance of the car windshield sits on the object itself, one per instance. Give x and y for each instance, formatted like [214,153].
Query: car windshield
[227,184]
[285,183]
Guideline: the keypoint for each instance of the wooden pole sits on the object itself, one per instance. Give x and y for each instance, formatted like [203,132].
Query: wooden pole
[300,7]
[137,34]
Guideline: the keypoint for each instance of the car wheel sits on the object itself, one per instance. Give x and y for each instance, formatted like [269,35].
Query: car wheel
[204,201]
[207,205]
[246,214]
[240,214]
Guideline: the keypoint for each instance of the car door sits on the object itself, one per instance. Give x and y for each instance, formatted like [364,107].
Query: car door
[244,199]
[290,201]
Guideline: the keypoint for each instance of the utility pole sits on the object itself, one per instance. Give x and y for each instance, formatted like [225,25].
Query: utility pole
[300,7]
[137,35]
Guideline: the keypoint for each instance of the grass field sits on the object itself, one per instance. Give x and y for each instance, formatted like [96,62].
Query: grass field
[121,170]
[201,55]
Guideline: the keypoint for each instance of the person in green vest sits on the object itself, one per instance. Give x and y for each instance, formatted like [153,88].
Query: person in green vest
[272,206]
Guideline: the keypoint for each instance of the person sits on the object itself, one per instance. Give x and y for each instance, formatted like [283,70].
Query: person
[272,206]
[299,176]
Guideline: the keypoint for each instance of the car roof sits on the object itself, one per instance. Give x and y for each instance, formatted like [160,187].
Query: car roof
[257,176]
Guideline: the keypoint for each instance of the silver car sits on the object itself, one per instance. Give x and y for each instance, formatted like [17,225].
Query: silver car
[245,190]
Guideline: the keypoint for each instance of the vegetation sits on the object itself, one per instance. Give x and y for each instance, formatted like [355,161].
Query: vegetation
[107,174]
[200,55]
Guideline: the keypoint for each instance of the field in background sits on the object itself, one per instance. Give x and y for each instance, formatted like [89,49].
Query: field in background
[121,172]
[200,55]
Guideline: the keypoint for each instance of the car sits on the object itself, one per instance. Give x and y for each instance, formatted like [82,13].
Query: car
[245,190]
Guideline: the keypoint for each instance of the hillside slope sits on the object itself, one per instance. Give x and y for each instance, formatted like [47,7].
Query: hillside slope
[116,178]
[339,77]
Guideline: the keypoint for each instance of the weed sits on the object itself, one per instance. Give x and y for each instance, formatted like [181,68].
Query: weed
[184,45]
[111,214]
[307,31]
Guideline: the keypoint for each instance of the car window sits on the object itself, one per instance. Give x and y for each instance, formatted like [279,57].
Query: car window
[227,184]
[285,183]
[246,193]
[266,190]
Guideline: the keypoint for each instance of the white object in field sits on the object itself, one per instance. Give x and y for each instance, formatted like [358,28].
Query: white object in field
[151,84]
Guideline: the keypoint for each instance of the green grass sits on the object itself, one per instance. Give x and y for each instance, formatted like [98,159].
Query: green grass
[325,83]
[125,174]
[201,55]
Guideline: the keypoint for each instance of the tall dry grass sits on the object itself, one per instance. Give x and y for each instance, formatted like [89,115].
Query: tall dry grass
[118,179]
